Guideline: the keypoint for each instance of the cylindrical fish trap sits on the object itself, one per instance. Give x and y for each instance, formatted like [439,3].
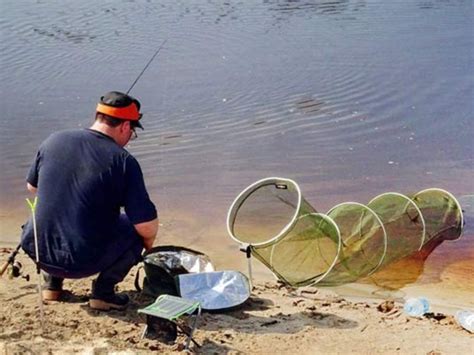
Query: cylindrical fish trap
[442,214]
[351,241]
[284,231]
[403,223]
[363,243]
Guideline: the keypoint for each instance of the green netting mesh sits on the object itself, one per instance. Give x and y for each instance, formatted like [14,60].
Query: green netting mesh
[266,211]
[306,253]
[364,243]
[442,214]
[403,222]
[351,241]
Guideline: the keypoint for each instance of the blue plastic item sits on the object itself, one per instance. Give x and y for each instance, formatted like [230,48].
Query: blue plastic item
[416,307]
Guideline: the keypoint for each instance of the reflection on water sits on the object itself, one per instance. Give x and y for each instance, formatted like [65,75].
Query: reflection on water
[61,34]
[312,8]
[349,98]
[408,270]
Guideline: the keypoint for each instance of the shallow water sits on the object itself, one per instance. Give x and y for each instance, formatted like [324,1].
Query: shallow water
[348,98]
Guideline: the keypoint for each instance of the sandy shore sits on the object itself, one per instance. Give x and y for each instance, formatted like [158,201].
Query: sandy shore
[275,320]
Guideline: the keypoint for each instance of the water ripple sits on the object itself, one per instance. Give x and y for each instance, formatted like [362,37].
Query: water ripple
[347,96]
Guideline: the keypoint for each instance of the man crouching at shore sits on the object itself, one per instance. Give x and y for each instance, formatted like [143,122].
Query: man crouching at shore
[83,178]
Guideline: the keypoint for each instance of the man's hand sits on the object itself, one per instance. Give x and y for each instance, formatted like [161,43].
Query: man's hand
[147,231]
[31,188]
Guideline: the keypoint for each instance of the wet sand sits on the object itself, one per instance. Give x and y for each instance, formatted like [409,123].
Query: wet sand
[275,319]
[444,276]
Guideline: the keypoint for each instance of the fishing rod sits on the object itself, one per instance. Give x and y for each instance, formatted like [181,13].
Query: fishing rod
[146,66]
[11,260]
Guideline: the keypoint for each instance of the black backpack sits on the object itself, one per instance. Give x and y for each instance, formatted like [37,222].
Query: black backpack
[161,265]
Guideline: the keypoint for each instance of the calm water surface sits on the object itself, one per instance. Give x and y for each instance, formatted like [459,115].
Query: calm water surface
[348,98]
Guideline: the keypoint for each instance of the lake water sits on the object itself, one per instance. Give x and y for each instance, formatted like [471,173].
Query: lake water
[348,98]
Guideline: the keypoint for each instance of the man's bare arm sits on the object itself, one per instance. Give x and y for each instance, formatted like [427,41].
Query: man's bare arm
[148,231]
[31,188]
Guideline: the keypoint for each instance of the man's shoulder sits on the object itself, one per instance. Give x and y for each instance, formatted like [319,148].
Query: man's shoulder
[61,136]
[69,133]
[72,135]
[85,139]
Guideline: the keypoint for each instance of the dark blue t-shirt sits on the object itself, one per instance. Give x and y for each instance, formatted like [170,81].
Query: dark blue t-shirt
[83,179]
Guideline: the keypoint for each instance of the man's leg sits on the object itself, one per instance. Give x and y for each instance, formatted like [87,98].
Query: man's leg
[53,287]
[124,253]
[103,288]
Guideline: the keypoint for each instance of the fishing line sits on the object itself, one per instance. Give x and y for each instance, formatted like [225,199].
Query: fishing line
[146,66]
[131,87]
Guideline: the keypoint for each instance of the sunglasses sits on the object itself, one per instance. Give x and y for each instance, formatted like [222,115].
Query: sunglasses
[133,133]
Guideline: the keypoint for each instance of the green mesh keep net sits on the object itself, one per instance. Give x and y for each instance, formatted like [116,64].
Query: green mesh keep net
[351,241]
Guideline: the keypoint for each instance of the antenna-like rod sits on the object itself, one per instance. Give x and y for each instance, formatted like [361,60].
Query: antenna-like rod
[146,66]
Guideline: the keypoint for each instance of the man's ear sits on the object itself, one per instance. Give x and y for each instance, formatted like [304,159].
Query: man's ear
[123,126]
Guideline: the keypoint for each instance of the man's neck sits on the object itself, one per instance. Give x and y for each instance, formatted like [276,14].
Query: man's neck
[104,129]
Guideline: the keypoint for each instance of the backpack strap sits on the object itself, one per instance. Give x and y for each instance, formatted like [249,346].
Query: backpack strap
[137,279]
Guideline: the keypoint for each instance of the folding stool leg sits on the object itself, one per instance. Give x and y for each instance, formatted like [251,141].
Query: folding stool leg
[190,335]
[145,331]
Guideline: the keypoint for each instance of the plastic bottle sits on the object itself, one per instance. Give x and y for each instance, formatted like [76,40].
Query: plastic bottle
[416,307]
[465,319]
